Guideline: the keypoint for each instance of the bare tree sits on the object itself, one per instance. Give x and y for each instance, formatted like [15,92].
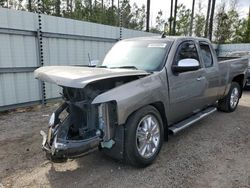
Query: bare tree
[175,12]
[192,18]
[210,31]
[171,17]
[199,21]
[207,18]
[29,6]
[112,4]
[58,8]
[148,15]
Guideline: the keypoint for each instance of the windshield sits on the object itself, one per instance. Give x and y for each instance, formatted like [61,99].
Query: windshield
[143,55]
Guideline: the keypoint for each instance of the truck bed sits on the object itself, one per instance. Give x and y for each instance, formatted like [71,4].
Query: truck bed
[230,67]
[224,58]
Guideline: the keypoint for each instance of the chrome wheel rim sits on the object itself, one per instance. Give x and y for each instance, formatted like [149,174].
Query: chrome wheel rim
[234,98]
[148,136]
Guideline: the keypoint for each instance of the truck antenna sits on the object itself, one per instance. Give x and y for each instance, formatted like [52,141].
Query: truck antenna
[89,59]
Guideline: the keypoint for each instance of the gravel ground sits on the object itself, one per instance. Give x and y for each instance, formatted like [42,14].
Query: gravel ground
[214,152]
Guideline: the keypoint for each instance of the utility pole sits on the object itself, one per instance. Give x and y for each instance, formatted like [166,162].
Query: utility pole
[118,13]
[207,18]
[210,31]
[112,4]
[192,19]
[171,18]
[148,15]
[175,12]
[29,6]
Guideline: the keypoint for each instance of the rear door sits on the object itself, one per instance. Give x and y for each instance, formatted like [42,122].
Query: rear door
[211,73]
[186,89]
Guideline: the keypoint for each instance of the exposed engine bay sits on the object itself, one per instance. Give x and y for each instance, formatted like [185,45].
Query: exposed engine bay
[79,126]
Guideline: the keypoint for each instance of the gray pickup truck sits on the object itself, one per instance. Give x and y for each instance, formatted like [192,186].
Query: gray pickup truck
[144,90]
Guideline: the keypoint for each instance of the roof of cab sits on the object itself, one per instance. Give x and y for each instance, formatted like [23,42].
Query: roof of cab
[167,38]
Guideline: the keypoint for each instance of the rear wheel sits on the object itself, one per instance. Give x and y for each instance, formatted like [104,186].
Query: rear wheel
[143,136]
[230,102]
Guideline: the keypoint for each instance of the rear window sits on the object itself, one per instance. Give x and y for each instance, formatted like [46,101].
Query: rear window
[206,55]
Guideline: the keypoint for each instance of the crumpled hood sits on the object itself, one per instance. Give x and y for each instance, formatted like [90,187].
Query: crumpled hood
[79,77]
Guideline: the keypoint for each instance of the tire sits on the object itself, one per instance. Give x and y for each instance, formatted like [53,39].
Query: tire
[230,102]
[143,138]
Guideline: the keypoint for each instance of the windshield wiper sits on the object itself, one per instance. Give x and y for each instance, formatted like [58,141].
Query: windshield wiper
[125,67]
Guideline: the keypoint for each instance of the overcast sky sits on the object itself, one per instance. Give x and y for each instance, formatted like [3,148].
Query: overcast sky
[164,5]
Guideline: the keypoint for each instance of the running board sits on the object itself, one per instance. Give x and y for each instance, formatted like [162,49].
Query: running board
[189,121]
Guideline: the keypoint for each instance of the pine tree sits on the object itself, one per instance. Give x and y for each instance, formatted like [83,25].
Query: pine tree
[246,33]
[183,20]
[200,21]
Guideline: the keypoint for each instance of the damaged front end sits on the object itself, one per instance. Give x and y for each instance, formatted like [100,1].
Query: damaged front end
[78,127]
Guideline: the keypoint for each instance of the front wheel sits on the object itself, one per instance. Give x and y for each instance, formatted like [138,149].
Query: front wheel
[230,102]
[143,136]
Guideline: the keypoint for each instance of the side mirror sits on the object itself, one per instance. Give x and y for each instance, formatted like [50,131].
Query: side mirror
[93,63]
[185,65]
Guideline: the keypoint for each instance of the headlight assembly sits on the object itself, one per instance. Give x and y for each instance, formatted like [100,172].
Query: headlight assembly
[52,120]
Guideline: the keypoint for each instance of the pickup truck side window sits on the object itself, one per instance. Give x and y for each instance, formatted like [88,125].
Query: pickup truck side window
[206,55]
[186,50]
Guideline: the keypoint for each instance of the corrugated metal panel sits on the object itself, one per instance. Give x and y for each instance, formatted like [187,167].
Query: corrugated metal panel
[22,50]
[18,51]
[128,33]
[226,48]
[18,88]
[73,52]
[66,42]
[52,91]
[69,26]
[18,19]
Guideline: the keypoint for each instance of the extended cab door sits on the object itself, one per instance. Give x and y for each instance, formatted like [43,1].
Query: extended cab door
[186,89]
[212,76]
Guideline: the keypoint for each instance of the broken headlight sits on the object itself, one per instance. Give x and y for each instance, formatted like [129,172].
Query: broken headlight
[103,117]
[52,120]
[107,119]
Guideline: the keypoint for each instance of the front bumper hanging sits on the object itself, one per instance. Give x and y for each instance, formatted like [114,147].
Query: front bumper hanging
[69,148]
[57,142]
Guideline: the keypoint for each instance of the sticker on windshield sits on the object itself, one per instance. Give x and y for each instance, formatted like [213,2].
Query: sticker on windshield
[157,45]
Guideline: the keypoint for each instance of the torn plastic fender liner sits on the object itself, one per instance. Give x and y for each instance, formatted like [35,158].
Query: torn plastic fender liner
[56,114]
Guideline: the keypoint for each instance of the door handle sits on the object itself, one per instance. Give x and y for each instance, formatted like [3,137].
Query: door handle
[200,78]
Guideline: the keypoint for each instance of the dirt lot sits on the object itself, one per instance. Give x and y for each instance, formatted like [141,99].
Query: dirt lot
[214,152]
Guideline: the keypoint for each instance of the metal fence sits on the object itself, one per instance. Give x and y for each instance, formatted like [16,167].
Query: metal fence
[64,42]
[224,49]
